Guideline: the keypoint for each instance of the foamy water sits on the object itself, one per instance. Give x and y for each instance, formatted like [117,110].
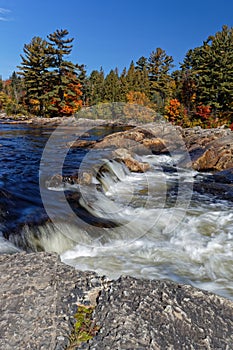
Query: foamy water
[149,225]
[187,239]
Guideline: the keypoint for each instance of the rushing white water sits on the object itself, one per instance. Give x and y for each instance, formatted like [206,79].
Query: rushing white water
[7,247]
[157,234]
[158,230]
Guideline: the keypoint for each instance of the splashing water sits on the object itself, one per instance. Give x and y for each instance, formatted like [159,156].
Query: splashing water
[142,224]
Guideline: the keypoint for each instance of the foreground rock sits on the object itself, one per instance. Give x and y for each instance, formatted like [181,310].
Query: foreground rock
[40,295]
[141,314]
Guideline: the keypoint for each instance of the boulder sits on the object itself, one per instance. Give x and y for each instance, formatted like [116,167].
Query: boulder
[81,144]
[156,145]
[39,297]
[141,314]
[127,158]
[57,180]
[215,158]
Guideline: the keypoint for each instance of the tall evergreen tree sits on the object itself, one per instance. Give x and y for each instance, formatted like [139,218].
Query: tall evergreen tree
[1,83]
[135,80]
[142,63]
[159,64]
[210,68]
[51,83]
[16,87]
[83,80]
[96,87]
[112,87]
[64,73]
[34,69]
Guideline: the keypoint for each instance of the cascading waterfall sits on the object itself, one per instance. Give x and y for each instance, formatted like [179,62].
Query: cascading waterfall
[149,225]
[197,250]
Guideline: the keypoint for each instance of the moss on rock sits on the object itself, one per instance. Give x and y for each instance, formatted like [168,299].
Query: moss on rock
[84,327]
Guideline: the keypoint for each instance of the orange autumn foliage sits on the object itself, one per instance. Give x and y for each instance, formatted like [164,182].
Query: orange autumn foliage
[137,97]
[173,111]
[71,101]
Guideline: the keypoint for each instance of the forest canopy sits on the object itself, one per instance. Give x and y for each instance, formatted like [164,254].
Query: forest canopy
[200,92]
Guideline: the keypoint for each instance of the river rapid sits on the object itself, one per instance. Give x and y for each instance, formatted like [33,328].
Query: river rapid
[152,225]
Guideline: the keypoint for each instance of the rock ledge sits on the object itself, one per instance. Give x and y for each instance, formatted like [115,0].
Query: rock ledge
[40,295]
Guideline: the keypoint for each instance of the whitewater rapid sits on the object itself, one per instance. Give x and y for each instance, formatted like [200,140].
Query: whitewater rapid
[150,225]
[161,230]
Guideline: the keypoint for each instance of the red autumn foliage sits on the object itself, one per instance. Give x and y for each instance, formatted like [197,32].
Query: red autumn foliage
[203,111]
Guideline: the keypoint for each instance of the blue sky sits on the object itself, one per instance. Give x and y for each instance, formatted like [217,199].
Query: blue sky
[111,33]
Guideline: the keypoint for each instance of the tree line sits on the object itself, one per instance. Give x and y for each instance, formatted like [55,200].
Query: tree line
[200,92]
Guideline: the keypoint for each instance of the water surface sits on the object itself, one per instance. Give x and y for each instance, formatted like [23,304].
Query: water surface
[150,225]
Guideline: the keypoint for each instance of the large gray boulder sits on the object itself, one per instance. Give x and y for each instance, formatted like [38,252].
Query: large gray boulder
[40,295]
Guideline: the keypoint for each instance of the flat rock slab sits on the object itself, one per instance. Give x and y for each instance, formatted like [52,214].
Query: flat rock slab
[39,296]
[142,314]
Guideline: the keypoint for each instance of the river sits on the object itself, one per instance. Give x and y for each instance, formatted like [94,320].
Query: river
[148,225]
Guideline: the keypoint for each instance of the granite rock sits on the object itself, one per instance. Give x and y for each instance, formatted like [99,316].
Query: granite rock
[40,295]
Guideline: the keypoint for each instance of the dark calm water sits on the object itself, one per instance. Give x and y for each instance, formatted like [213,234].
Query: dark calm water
[124,216]
[20,153]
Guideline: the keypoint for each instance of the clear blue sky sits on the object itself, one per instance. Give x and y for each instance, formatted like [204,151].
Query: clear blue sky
[111,33]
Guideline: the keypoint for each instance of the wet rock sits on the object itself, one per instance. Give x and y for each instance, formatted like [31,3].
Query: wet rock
[85,178]
[224,176]
[57,180]
[81,144]
[136,166]
[218,190]
[156,145]
[218,184]
[215,158]
[132,164]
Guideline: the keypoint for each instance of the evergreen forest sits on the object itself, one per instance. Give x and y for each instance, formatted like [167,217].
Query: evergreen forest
[200,92]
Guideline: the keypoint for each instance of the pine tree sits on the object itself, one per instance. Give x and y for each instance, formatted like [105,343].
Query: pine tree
[83,80]
[159,65]
[35,71]
[1,83]
[96,87]
[208,71]
[142,64]
[112,87]
[52,87]
[134,80]
[124,88]
[16,87]
[63,75]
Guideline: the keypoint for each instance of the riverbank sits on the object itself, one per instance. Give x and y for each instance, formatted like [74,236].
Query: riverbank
[40,297]
[209,149]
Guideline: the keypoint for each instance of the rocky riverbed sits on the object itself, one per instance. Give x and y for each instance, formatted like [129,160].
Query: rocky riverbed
[40,296]
[209,149]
